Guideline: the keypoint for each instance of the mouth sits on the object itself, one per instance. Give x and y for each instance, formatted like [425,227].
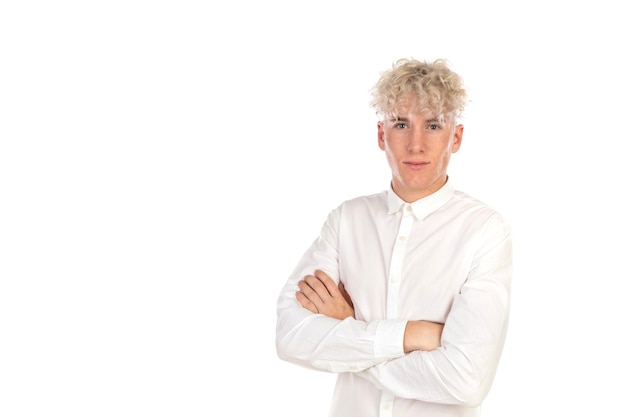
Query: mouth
[416,164]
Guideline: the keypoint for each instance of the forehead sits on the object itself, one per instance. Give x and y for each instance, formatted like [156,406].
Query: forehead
[416,115]
[414,108]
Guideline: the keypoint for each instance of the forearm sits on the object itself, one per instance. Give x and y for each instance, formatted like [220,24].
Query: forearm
[332,325]
[320,342]
[443,376]
[323,343]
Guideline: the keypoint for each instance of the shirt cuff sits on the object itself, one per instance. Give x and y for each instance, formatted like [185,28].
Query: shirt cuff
[389,339]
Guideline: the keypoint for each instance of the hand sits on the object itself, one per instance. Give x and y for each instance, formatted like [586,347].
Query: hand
[319,294]
[422,335]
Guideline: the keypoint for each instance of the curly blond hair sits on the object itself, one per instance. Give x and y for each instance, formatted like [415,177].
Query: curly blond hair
[434,86]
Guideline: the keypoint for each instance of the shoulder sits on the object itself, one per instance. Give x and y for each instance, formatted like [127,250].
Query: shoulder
[357,207]
[469,206]
[377,200]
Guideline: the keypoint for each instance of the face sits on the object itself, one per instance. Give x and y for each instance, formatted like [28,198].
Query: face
[418,146]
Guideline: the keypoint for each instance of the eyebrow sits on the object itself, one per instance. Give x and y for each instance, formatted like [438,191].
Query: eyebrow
[432,120]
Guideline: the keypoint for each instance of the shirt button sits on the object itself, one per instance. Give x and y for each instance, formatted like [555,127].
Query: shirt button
[402,238]
[394,280]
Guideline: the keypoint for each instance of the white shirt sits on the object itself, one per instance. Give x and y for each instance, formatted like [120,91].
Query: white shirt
[444,258]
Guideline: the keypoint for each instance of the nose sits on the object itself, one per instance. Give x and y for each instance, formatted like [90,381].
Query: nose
[416,141]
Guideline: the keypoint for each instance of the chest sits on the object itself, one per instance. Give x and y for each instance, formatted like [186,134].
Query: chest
[405,269]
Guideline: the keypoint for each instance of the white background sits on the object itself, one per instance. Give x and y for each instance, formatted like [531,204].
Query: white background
[164,164]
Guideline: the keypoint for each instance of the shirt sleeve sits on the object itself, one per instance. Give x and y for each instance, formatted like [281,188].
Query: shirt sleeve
[462,370]
[324,343]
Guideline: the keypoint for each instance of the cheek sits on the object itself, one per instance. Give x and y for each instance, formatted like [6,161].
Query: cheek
[394,161]
[388,156]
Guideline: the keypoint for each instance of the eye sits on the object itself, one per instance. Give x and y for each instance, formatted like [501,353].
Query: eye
[401,125]
[433,126]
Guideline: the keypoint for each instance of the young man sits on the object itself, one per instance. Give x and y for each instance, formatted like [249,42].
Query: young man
[405,293]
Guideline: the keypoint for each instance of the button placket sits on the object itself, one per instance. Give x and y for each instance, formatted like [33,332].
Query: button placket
[397,261]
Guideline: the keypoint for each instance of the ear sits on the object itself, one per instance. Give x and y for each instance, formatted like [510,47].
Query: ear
[381,136]
[458,137]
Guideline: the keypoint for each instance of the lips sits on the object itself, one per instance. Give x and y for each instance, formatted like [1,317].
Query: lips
[416,164]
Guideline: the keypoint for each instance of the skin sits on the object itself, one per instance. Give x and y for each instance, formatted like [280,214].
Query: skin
[319,294]
[418,146]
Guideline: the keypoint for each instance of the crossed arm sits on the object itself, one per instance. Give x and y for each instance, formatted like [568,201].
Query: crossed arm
[451,364]
[319,294]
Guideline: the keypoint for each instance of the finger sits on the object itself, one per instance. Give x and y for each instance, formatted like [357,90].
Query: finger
[308,288]
[318,286]
[305,302]
[328,282]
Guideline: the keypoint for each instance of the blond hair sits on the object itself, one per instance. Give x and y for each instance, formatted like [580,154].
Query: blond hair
[434,86]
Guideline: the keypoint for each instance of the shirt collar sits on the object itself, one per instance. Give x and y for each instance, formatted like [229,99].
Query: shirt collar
[422,207]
